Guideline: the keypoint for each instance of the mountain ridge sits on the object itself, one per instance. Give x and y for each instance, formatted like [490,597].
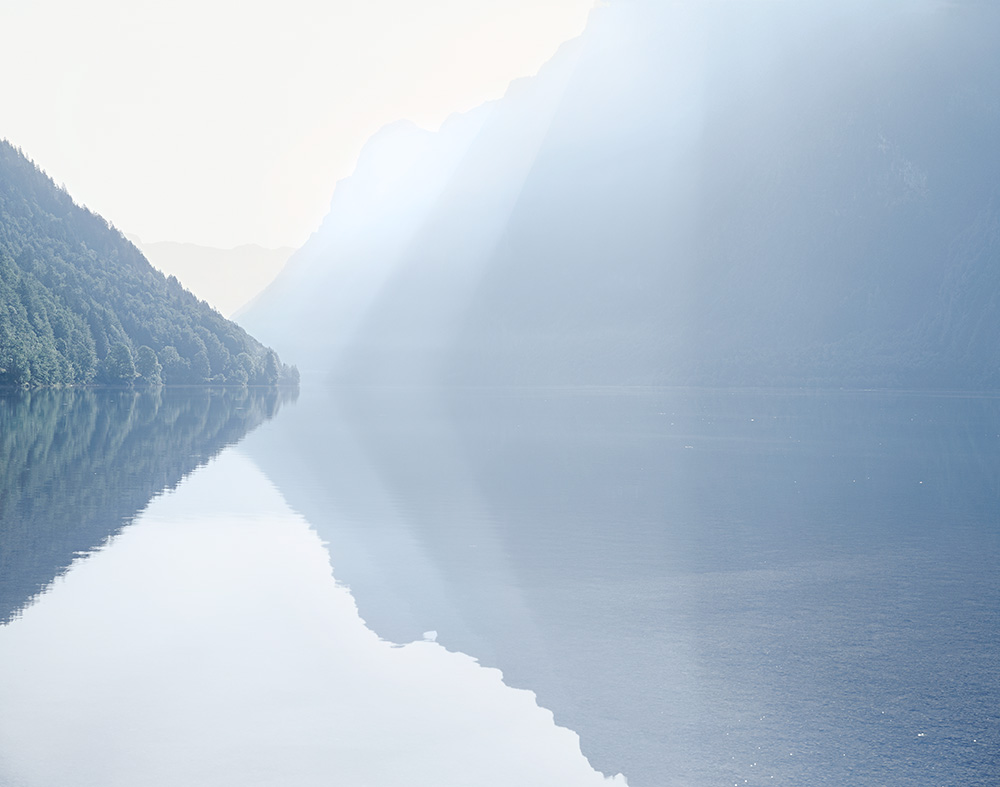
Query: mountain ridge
[721,194]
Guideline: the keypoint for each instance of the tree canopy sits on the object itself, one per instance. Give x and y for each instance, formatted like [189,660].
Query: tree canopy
[80,304]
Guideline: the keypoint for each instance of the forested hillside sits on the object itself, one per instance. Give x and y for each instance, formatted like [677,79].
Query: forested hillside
[80,304]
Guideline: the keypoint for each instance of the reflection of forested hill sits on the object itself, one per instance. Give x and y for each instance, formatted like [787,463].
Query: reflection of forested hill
[78,302]
[78,465]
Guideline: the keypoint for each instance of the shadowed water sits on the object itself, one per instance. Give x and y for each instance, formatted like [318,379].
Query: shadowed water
[709,586]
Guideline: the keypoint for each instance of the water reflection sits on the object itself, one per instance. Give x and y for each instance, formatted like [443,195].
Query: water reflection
[210,645]
[79,464]
[710,587]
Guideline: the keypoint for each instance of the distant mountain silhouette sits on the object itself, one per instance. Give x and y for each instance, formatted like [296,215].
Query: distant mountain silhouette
[80,304]
[735,193]
[78,465]
[227,279]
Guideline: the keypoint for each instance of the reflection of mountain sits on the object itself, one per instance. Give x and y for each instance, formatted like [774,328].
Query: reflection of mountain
[693,581]
[78,465]
[717,192]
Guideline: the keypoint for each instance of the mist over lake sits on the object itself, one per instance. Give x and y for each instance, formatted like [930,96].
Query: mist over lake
[639,425]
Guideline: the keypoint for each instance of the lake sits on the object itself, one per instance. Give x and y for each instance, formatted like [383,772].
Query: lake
[499,586]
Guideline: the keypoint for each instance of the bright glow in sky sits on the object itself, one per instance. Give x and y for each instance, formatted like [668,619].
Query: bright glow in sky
[220,122]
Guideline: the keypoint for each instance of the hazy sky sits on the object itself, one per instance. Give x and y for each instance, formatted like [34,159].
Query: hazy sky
[220,122]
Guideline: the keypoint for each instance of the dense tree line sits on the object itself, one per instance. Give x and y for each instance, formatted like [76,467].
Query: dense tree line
[80,304]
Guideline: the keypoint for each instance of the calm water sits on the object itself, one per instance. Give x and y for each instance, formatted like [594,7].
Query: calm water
[707,587]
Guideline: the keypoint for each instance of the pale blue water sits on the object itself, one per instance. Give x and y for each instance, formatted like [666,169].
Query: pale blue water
[708,587]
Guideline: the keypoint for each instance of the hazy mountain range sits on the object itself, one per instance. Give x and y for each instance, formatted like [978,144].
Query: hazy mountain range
[226,279]
[712,193]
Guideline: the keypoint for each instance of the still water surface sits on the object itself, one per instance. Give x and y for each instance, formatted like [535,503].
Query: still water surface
[707,587]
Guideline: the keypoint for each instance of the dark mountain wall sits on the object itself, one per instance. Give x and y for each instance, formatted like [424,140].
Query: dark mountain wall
[79,303]
[737,193]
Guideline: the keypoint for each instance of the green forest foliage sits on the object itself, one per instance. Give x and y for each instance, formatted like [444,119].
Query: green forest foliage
[80,304]
[79,464]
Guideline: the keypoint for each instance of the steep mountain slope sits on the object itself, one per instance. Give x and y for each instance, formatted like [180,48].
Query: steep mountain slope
[721,192]
[79,303]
